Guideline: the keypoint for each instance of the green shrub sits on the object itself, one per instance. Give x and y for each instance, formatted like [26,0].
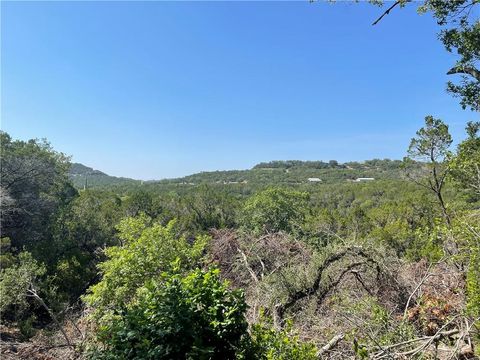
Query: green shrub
[26,327]
[427,244]
[190,317]
[147,251]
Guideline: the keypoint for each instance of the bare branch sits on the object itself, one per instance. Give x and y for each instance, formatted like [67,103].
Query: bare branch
[425,277]
[330,345]
[388,11]
[245,261]
[33,293]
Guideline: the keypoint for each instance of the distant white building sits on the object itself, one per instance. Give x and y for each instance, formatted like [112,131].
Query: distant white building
[314,179]
[364,179]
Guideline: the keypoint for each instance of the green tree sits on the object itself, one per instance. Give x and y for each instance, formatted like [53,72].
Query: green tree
[24,289]
[34,186]
[207,208]
[79,234]
[275,209]
[431,146]
[16,280]
[460,34]
[140,201]
[465,165]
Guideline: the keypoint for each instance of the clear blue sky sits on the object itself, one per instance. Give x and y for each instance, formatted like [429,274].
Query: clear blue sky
[164,89]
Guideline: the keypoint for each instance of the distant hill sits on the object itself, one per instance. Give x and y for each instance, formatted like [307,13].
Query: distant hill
[288,172]
[82,176]
[298,172]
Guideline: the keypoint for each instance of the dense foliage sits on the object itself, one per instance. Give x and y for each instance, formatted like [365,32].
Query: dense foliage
[274,210]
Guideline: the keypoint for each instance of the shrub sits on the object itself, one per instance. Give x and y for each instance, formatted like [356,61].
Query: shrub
[147,251]
[190,317]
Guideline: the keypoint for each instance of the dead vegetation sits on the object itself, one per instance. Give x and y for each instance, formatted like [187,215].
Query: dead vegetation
[48,343]
[352,301]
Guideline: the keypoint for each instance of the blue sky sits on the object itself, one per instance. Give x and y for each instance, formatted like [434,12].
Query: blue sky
[162,89]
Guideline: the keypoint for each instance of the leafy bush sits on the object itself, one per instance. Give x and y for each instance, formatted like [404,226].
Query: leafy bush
[428,243]
[191,317]
[466,231]
[473,284]
[464,169]
[147,251]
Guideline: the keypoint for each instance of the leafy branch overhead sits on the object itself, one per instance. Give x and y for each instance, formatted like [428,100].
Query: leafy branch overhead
[460,34]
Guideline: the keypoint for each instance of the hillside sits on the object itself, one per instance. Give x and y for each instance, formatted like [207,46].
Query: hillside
[298,172]
[84,176]
[288,172]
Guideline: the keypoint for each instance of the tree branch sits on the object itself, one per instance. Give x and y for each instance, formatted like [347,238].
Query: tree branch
[33,293]
[468,70]
[330,345]
[330,284]
[388,11]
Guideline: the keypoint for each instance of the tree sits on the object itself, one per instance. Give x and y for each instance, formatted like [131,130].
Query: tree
[35,186]
[460,34]
[16,280]
[207,208]
[140,201]
[78,235]
[465,165]
[431,146]
[274,210]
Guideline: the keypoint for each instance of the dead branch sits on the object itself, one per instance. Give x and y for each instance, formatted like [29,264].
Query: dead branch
[439,335]
[323,288]
[425,277]
[464,335]
[330,345]
[245,261]
[33,293]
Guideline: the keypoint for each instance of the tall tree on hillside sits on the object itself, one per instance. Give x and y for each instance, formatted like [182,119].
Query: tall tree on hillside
[431,146]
